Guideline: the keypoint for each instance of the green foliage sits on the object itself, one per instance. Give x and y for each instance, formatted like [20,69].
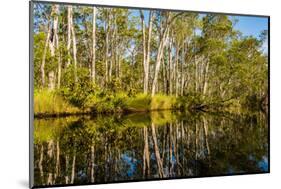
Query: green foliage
[77,92]
[50,103]
[162,102]
[215,64]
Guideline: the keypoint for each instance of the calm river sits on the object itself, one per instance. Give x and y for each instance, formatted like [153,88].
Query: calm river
[143,146]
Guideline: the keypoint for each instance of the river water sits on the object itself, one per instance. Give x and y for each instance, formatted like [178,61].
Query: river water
[144,146]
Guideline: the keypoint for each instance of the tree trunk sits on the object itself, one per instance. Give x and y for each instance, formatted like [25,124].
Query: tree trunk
[170,67]
[144,52]
[69,18]
[42,67]
[106,28]
[182,75]
[74,47]
[159,59]
[93,70]
[176,71]
[146,48]
[205,84]
[51,78]
[59,69]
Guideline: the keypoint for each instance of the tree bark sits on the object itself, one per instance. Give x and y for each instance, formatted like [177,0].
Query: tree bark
[158,59]
[42,67]
[74,46]
[170,86]
[106,28]
[205,84]
[176,71]
[93,70]
[144,52]
[69,18]
[146,48]
[182,74]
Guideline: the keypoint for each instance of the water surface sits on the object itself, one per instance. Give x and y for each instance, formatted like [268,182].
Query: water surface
[143,146]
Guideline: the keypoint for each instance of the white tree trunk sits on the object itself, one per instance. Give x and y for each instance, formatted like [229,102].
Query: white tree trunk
[69,18]
[74,45]
[42,67]
[158,60]
[93,71]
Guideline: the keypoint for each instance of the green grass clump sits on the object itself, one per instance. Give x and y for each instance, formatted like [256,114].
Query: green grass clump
[49,103]
[140,102]
[162,102]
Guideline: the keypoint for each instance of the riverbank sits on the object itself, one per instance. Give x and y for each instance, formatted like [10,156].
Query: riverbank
[54,104]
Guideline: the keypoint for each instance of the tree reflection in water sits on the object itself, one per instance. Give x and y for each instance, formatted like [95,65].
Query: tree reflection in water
[75,150]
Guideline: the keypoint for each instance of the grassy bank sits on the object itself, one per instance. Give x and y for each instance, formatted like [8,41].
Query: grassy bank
[57,103]
[48,103]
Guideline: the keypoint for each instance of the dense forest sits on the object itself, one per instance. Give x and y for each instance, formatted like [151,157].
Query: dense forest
[104,60]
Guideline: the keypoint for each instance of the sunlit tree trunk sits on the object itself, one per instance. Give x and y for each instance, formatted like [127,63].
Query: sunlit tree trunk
[51,78]
[56,42]
[59,70]
[69,18]
[144,51]
[151,19]
[106,28]
[93,70]
[205,84]
[42,67]
[177,71]
[74,45]
[182,74]
[146,48]
[170,67]
[159,59]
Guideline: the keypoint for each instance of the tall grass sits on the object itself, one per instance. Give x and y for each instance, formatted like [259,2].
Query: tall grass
[53,103]
[140,102]
[49,103]
[162,102]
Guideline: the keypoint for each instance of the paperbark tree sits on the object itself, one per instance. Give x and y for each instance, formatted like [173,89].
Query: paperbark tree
[160,54]
[93,70]
[69,18]
[146,48]
[42,67]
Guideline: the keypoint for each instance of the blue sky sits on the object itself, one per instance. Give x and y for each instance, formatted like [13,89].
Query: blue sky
[249,25]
